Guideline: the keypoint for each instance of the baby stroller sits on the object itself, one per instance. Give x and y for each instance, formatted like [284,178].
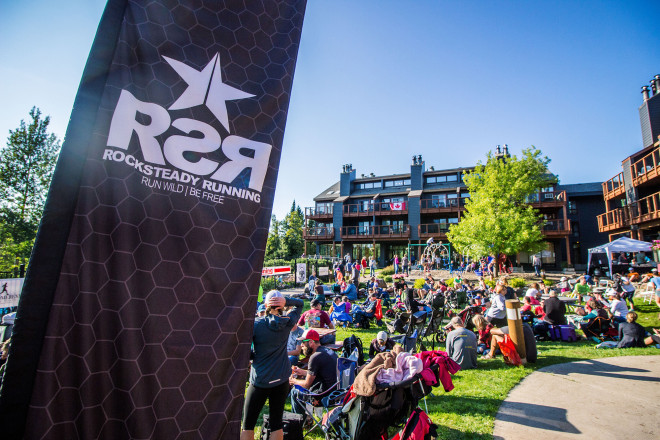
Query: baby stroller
[433,334]
[380,415]
[410,326]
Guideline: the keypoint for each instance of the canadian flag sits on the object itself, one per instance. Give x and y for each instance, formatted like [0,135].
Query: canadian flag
[398,206]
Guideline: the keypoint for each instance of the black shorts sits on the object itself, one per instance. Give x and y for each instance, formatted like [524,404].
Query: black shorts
[255,399]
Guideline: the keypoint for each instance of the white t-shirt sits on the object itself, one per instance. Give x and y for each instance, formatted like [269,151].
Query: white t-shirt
[618,308]
[531,292]
[626,287]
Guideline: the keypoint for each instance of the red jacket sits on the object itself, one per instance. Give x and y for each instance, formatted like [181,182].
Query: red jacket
[446,366]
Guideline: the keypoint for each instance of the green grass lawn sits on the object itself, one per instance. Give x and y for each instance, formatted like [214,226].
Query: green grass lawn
[468,411]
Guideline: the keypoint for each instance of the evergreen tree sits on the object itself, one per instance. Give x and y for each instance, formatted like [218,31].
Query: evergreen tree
[273,243]
[27,163]
[292,243]
[26,168]
[497,217]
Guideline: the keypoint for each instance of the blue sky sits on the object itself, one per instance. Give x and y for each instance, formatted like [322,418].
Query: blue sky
[380,80]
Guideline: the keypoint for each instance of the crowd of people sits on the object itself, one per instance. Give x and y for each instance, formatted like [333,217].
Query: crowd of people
[293,353]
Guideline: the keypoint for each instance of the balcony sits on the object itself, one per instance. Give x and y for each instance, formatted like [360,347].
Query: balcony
[646,168]
[614,187]
[556,228]
[318,233]
[386,232]
[435,230]
[646,209]
[321,212]
[548,199]
[374,208]
[612,220]
[435,206]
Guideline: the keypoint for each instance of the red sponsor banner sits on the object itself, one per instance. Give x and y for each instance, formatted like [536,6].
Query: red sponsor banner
[276,270]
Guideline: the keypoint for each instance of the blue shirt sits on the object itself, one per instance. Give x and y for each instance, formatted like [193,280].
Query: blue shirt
[350,292]
[656,282]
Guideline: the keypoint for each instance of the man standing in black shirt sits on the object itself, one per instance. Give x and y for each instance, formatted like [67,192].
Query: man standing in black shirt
[321,372]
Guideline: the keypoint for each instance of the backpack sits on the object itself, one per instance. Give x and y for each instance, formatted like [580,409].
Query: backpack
[418,427]
[350,344]
[292,425]
[313,319]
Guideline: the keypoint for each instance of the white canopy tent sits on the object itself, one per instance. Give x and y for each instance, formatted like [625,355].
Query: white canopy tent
[623,244]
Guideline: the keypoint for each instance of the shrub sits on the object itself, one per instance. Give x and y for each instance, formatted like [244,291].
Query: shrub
[450,282]
[389,270]
[517,282]
[548,282]
[419,282]
[490,283]
[388,279]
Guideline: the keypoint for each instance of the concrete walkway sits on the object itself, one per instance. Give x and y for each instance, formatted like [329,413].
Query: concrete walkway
[612,398]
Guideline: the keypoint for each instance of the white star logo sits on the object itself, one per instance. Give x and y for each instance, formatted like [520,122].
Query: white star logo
[205,87]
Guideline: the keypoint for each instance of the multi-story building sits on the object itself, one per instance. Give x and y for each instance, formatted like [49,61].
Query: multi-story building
[632,197]
[396,214]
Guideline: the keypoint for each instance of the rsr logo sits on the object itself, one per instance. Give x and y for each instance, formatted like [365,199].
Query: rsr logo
[205,87]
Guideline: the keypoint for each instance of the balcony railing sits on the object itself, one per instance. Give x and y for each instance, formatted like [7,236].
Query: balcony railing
[645,209]
[433,230]
[646,168]
[614,187]
[615,219]
[381,231]
[435,205]
[375,208]
[319,212]
[547,198]
[555,228]
[319,233]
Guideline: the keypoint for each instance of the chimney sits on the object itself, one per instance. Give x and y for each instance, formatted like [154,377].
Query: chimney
[654,90]
[656,81]
[645,93]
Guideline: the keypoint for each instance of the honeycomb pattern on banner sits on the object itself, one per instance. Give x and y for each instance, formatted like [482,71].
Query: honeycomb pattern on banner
[149,332]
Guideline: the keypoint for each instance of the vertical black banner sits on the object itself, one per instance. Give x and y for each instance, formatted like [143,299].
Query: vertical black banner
[136,316]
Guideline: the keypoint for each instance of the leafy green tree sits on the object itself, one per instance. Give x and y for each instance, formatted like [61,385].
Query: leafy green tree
[26,167]
[497,217]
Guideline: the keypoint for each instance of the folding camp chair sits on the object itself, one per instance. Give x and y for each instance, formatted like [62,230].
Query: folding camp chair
[318,405]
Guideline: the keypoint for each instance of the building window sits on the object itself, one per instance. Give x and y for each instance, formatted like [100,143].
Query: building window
[572,207]
[442,179]
[575,229]
[398,182]
[369,185]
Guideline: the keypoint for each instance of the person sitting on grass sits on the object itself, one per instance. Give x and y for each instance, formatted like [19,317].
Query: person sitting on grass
[531,352]
[631,334]
[315,317]
[294,346]
[618,308]
[461,344]
[340,311]
[380,344]
[483,328]
[361,316]
[496,313]
[654,338]
[581,289]
[350,291]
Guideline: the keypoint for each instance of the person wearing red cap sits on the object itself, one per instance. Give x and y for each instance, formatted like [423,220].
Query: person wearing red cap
[321,372]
